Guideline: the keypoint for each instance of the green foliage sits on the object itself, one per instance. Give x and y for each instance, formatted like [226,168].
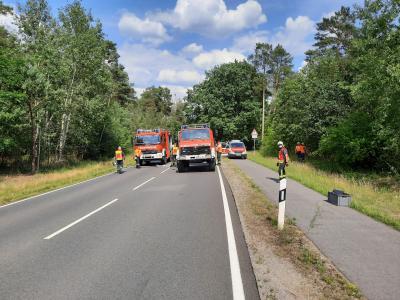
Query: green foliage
[63,92]
[227,100]
[310,102]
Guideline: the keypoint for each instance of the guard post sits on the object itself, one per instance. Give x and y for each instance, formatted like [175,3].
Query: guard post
[282,201]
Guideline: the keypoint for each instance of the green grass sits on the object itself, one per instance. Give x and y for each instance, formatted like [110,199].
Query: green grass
[381,204]
[13,188]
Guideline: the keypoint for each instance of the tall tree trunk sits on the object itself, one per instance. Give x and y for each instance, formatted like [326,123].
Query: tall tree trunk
[65,119]
[34,138]
[263,113]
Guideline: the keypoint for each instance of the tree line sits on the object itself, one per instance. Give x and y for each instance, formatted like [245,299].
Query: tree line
[63,93]
[344,104]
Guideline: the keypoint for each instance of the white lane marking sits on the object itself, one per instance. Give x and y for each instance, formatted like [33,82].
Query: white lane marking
[237,284]
[165,170]
[56,190]
[135,188]
[79,220]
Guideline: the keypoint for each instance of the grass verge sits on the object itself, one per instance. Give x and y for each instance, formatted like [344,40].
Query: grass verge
[382,205]
[13,188]
[291,243]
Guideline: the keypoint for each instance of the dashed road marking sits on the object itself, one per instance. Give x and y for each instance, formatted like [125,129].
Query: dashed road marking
[79,220]
[142,184]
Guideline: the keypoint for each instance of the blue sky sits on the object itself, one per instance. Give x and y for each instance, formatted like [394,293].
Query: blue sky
[171,43]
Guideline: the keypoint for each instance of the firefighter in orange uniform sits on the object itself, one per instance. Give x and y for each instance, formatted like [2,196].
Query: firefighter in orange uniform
[283,160]
[219,153]
[174,154]
[138,153]
[298,150]
[119,156]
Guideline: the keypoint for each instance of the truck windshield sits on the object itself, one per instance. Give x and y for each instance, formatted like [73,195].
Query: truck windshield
[147,139]
[196,134]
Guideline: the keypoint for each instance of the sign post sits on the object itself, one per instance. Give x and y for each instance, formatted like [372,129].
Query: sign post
[254,136]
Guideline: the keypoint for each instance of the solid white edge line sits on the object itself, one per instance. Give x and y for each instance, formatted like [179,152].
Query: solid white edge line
[237,284]
[135,188]
[165,170]
[56,190]
[79,220]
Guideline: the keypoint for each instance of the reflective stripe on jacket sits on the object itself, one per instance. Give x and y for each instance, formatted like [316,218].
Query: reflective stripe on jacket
[283,156]
[138,152]
[174,150]
[119,155]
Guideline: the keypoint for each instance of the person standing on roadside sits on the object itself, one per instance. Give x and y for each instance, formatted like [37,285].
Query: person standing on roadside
[283,160]
[298,150]
[303,152]
[219,153]
[174,154]
[119,157]
[138,153]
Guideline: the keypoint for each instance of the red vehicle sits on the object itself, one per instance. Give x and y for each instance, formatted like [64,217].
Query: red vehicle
[225,149]
[155,145]
[237,149]
[196,145]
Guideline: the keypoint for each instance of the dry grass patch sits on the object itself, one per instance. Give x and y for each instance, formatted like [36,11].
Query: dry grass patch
[287,265]
[380,204]
[13,188]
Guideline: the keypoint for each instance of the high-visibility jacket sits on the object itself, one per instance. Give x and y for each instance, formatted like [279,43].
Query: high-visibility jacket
[283,156]
[298,149]
[219,148]
[302,149]
[174,150]
[138,152]
[119,155]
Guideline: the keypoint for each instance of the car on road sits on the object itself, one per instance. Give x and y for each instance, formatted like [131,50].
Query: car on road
[196,145]
[237,149]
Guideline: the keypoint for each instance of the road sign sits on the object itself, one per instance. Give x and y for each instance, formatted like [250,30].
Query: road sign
[254,134]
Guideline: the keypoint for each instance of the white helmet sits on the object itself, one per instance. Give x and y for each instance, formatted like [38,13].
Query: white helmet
[280,143]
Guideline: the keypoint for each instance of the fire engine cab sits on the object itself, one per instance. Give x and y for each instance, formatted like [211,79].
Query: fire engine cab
[155,145]
[196,145]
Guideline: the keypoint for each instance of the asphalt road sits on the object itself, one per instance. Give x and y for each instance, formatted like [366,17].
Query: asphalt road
[366,251]
[150,233]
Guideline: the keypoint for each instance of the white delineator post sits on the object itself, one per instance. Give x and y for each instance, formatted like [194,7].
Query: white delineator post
[282,201]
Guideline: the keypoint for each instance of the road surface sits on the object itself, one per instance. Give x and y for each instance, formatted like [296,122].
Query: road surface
[366,251]
[150,233]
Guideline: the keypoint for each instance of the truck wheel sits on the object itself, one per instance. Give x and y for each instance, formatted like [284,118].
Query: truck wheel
[211,166]
[141,162]
[180,167]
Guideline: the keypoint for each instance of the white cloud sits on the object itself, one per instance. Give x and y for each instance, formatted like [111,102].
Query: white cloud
[177,91]
[247,43]
[185,76]
[209,59]
[8,22]
[147,30]
[212,17]
[144,64]
[192,48]
[296,36]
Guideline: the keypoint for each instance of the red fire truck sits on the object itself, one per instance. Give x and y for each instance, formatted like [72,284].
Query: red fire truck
[196,145]
[155,145]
